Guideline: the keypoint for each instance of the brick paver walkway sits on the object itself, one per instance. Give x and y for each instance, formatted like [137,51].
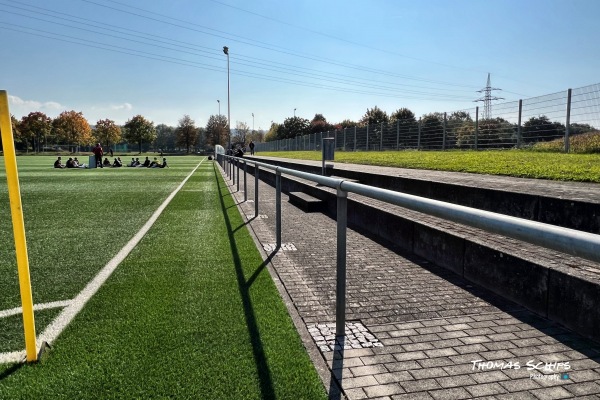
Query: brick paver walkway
[442,337]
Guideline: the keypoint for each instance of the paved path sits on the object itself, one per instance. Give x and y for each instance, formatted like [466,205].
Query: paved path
[426,333]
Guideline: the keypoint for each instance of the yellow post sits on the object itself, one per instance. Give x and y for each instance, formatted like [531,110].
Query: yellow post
[14,193]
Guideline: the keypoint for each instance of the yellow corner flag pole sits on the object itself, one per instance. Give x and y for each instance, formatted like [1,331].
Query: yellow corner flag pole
[14,193]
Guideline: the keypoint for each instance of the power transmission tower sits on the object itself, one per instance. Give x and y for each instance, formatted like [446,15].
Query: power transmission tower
[487,98]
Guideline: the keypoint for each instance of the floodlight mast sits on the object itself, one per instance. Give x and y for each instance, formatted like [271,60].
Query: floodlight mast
[226,51]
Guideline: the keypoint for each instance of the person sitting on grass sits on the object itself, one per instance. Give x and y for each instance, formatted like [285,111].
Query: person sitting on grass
[132,163]
[117,163]
[146,163]
[164,164]
[58,163]
[69,163]
[154,164]
[106,162]
[77,165]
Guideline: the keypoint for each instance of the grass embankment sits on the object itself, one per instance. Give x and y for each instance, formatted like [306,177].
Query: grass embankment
[191,313]
[518,163]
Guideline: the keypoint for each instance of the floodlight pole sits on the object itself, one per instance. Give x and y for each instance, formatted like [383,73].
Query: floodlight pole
[226,51]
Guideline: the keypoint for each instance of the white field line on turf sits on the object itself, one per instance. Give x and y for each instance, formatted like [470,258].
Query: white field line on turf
[66,316]
[37,307]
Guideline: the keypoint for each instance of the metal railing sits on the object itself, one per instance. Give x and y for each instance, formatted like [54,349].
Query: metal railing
[569,241]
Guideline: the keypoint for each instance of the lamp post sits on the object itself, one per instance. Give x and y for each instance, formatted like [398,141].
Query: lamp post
[219,101]
[226,51]
[294,113]
[252,122]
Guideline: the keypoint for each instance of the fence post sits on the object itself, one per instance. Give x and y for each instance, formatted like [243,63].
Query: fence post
[568,122]
[519,133]
[419,135]
[476,125]
[381,138]
[340,297]
[237,164]
[444,137]
[397,134]
[278,207]
[256,169]
[354,138]
[367,146]
[344,139]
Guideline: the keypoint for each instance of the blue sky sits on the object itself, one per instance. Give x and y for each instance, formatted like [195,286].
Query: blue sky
[163,59]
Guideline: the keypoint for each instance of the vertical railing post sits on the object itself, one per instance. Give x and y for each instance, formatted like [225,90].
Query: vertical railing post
[340,297]
[519,132]
[245,183]
[232,171]
[256,169]
[278,207]
[444,134]
[344,139]
[367,146]
[476,126]
[354,138]
[568,122]
[237,164]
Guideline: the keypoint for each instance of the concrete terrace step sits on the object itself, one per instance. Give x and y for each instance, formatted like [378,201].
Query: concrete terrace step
[561,287]
[306,202]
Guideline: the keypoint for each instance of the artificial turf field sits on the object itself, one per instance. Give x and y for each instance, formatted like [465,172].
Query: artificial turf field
[191,313]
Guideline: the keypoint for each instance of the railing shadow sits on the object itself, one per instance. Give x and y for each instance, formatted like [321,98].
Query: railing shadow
[262,366]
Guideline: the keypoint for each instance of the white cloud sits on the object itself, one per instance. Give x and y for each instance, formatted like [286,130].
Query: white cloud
[124,106]
[33,104]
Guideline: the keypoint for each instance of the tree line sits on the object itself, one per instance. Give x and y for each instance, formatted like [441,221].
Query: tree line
[459,126]
[36,132]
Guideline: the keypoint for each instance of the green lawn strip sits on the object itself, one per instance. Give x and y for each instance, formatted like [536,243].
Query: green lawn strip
[191,313]
[517,163]
[76,220]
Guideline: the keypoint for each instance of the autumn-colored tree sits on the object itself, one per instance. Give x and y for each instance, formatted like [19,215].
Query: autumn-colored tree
[187,133]
[139,130]
[34,128]
[242,130]
[72,128]
[320,124]
[107,132]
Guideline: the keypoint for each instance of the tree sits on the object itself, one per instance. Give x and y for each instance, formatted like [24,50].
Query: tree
[320,124]
[407,126]
[432,128]
[538,129]
[139,130]
[292,127]
[107,132]
[35,127]
[374,116]
[165,137]
[186,132]
[15,130]
[241,132]
[271,135]
[216,130]
[72,128]
[347,124]
[256,136]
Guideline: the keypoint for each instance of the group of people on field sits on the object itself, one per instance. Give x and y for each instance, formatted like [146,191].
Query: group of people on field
[98,153]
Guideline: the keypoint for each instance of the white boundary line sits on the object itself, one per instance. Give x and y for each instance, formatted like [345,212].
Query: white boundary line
[76,305]
[37,307]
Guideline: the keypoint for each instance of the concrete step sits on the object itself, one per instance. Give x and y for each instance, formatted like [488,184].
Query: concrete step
[306,202]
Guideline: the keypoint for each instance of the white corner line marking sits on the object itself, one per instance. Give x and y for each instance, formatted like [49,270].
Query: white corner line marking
[36,307]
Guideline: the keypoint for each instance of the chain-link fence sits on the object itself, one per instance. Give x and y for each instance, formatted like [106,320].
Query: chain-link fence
[516,124]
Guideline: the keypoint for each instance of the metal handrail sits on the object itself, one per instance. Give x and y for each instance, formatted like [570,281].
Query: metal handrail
[570,241]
